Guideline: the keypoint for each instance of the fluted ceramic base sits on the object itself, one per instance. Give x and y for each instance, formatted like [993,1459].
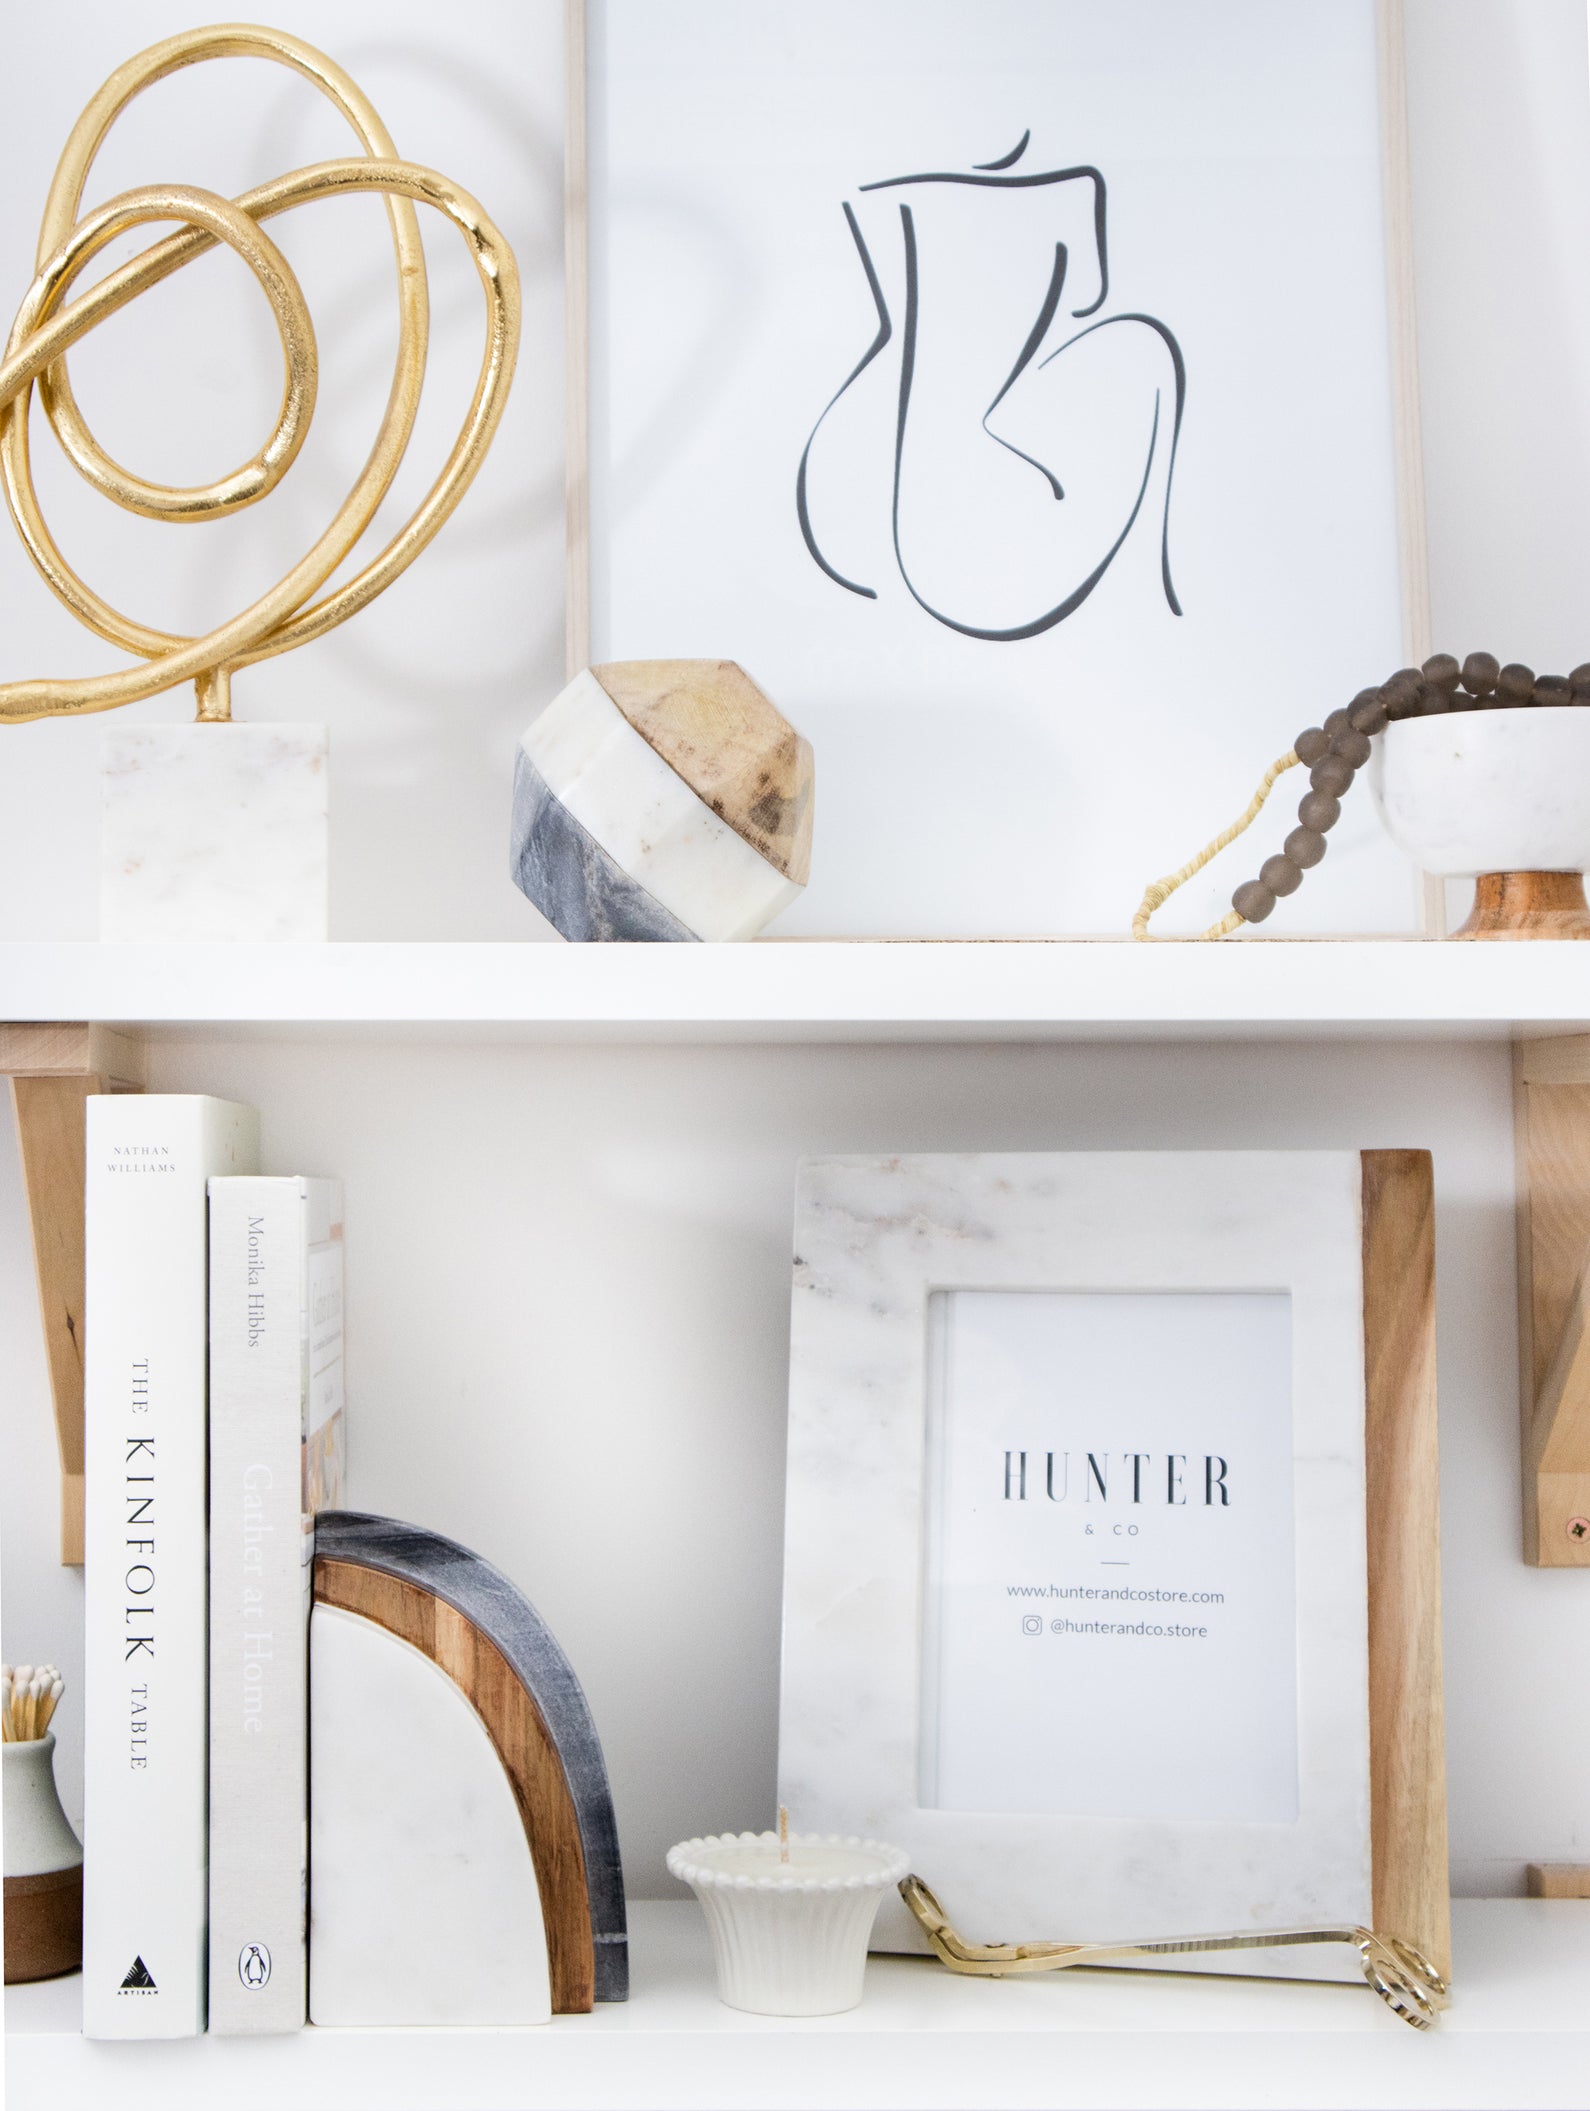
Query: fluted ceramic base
[791,1940]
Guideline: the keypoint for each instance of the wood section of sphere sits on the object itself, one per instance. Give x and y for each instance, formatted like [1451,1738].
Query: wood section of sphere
[730,743]
[1517,905]
[524,1745]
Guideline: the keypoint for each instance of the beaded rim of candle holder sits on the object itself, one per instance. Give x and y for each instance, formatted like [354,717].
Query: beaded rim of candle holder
[1334,754]
[892,1863]
[45,330]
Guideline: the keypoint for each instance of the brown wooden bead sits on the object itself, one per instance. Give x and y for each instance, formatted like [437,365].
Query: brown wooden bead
[1436,701]
[1442,670]
[1319,811]
[1335,722]
[1253,901]
[1579,683]
[1353,747]
[1311,744]
[1333,774]
[1305,847]
[1479,673]
[1515,684]
[1552,689]
[1280,875]
[1367,712]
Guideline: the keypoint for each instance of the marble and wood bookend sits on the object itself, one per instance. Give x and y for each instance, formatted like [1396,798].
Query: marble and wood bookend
[662,799]
[464,1857]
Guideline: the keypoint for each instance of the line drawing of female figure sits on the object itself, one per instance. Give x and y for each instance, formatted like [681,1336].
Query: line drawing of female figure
[1016,481]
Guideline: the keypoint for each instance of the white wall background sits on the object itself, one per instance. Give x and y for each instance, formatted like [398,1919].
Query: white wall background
[426,695]
[568,1297]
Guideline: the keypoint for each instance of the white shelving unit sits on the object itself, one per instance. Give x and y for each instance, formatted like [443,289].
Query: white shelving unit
[569,1172]
[1518,2035]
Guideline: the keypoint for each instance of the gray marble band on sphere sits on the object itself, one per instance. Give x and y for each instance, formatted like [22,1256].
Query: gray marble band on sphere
[501,1611]
[570,878]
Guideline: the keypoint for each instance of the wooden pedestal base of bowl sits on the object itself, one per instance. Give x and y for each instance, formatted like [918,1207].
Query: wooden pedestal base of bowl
[1501,795]
[1527,905]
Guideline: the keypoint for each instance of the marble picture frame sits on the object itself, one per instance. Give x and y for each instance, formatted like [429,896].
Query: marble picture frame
[1346,1238]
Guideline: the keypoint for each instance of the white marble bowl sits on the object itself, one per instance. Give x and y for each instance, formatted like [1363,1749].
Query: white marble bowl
[1488,791]
[790,1939]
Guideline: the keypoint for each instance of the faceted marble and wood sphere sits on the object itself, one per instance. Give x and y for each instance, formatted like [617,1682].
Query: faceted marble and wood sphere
[662,799]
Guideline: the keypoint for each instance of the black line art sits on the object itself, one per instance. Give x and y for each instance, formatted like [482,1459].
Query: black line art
[1148,363]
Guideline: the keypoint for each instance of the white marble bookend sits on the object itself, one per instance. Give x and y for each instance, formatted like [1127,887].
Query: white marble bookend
[213,832]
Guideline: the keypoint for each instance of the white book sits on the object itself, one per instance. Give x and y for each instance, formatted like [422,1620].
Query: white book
[149,1162]
[276,1457]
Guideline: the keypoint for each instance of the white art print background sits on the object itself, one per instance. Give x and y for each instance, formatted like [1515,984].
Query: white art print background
[1029,785]
[1111,1546]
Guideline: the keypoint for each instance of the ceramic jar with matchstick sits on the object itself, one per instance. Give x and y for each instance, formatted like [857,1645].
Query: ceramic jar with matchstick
[790,1914]
[43,1858]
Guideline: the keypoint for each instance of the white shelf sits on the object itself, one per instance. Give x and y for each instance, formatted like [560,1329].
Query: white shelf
[863,991]
[1518,2035]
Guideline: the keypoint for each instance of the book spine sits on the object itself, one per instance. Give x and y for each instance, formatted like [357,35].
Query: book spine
[259,1549]
[149,1159]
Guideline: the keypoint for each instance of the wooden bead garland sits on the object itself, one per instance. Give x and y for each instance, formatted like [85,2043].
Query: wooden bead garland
[1334,753]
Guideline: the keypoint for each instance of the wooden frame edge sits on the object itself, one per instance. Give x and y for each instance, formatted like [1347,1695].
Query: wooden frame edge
[1408,1824]
[576,344]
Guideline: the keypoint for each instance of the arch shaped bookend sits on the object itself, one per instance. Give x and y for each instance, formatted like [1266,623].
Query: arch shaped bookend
[479,1632]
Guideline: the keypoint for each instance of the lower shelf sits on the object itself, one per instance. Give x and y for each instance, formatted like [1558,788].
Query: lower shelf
[1518,2035]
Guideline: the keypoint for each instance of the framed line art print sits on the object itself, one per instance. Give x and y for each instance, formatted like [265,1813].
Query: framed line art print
[1024,394]
[1111,1553]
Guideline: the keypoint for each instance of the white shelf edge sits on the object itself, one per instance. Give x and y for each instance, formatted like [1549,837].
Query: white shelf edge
[882,991]
[1518,2035]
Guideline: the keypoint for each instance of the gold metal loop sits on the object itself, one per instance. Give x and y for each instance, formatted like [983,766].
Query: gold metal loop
[190,48]
[229,224]
[285,616]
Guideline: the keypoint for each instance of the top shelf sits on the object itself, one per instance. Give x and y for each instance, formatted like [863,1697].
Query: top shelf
[862,991]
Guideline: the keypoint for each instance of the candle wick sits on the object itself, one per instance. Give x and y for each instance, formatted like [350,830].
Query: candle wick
[783,1832]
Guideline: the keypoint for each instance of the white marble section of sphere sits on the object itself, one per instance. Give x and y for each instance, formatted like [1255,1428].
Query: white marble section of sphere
[423,1906]
[1488,791]
[213,832]
[648,819]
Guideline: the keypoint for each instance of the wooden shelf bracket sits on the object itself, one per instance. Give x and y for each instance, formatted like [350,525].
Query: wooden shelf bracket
[53,1069]
[1551,1104]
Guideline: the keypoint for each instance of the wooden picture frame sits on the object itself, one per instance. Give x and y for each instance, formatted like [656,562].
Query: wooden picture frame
[1427,912]
[1349,1238]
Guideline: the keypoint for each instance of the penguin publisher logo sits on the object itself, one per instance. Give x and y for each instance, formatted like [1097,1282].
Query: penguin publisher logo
[254,1966]
[138,1980]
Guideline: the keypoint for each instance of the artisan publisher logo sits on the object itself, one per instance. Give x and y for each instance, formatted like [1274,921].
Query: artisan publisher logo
[254,1966]
[138,1980]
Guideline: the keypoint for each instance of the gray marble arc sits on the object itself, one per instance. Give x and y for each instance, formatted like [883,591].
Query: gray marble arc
[486,1597]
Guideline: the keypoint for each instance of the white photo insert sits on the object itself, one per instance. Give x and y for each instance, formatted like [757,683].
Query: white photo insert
[1110,1550]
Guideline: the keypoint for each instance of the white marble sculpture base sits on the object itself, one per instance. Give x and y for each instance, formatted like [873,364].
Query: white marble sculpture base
[213,832]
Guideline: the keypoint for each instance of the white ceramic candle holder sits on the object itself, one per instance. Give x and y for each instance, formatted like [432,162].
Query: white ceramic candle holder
[790,1938]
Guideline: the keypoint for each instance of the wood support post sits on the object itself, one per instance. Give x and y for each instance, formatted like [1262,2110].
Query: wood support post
[53,1069]
[1551,1104]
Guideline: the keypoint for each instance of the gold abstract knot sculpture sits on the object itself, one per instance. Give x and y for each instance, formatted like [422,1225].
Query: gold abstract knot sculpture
[47,325]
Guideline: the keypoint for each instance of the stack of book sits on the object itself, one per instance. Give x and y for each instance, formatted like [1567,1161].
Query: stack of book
[214,1432]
